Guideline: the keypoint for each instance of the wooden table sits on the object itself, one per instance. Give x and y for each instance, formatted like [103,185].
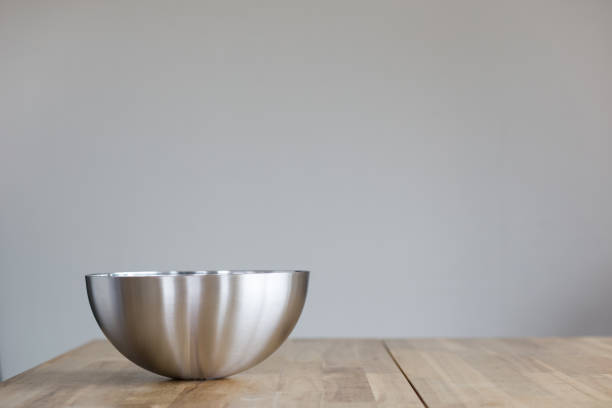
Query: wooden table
[546,372]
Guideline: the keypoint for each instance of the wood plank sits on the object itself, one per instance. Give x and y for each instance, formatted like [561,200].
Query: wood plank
[536,372]
[302,373]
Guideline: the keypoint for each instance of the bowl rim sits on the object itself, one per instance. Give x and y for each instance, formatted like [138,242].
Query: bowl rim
[208,272]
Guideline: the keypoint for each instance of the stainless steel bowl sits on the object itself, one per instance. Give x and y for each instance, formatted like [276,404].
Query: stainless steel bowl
[197,325]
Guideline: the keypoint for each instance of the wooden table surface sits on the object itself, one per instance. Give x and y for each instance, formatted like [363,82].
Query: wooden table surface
[546,372]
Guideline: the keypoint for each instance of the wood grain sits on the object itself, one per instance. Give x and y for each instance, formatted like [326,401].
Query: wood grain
[541,373]
[302,373]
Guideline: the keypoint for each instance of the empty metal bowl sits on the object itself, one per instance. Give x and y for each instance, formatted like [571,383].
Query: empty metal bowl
[197,325]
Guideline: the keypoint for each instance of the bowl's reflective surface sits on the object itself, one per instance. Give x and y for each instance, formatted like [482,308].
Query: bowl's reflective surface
[197,325]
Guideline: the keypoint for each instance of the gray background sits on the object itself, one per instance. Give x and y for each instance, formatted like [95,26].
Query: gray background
[442,166]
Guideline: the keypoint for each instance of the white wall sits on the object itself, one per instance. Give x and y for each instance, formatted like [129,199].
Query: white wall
[442,167]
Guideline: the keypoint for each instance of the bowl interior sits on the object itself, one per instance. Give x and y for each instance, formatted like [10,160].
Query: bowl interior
[189,273]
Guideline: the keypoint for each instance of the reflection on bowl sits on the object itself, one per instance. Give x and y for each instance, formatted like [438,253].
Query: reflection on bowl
[197,325]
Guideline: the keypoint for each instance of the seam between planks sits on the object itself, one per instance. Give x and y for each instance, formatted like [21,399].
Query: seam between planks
[404,374]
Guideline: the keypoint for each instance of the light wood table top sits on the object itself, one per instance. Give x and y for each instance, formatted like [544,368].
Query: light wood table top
[536,372]
[547,372]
